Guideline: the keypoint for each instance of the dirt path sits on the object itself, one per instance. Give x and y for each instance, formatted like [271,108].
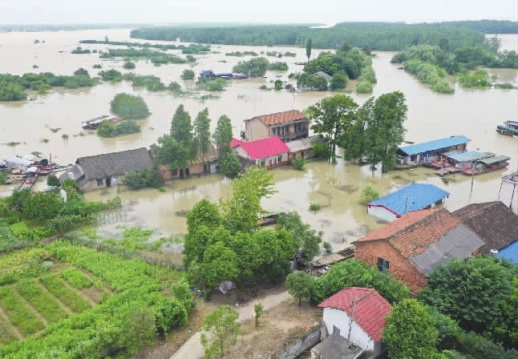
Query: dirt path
[192,349]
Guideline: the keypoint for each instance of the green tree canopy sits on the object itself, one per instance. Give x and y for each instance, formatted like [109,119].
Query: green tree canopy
[300,285]
[306,238]
[220,330]
[410,332]
[129,107]
[202,130]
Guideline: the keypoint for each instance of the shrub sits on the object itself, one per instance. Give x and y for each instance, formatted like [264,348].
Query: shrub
[314,207]
[111,75]
[129,107]
[128,65]
[299,163]
[278,85]
[53,181]
[278,66]
[174,87]
[187,75]
[363,87]
[216,85]
[141,179]
[369,194]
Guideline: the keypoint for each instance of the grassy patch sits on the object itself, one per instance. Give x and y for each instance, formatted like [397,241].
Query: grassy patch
[76,278]
[41,300]
[66,295]
[19,313]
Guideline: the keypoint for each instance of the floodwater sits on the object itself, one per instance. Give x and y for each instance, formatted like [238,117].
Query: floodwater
[473,113]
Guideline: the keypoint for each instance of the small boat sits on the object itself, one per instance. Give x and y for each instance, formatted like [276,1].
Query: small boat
[29,182]
[269,219]
[509,128]
[487,165]
[94,123]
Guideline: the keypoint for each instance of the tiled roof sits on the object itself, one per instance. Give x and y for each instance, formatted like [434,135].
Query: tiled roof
[434,145]
[263,148]
[411,198]
[365,305]
[428,236]
[235,142]
[281,117]
[496,224]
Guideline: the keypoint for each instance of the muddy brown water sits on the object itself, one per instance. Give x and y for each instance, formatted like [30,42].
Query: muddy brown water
[473,113]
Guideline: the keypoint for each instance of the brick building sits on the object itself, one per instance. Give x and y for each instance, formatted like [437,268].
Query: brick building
[412,246]
[288,126]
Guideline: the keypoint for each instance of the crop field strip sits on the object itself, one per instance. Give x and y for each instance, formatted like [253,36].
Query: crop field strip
[66,295]
[19,313]
[8,332]
[41,300]
[76,278]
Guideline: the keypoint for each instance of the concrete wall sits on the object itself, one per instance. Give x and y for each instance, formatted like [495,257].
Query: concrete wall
[255,130]
[509,192]
[308,340]
[382,213]
[337,318]
[92,184]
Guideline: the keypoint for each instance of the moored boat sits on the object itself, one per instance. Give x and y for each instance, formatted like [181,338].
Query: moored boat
[487,165]
[29,182]
[94,123]
[509,128]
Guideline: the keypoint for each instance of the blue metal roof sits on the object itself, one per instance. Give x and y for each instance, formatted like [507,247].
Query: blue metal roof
[510,253]
[434,145]
[411,198]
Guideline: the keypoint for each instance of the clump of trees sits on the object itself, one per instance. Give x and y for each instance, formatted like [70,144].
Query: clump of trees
[225,242]
[110,129]
[344,65]
[372,131]
[253,68]
[187,75]
[156,57]
[129,107]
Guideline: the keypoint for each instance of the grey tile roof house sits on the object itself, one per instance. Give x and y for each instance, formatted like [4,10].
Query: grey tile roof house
[106,170]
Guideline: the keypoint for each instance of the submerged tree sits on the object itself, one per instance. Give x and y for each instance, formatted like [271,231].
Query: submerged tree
[202,130]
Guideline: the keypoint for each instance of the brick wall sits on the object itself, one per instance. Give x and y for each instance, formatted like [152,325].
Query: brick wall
[400,267]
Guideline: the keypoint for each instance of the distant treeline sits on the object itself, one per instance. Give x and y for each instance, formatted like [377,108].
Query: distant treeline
[186,49]
[60,27]
[380,36]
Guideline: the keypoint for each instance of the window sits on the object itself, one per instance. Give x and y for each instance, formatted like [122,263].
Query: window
[100,182]
[263,163]
[383,265]
[336,329]
[279,159]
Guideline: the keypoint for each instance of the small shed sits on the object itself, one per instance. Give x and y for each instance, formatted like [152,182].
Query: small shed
[510,253]
[358,315]
[300,148]
[414,197]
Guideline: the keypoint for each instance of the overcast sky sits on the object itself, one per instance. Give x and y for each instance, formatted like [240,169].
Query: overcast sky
[251,11]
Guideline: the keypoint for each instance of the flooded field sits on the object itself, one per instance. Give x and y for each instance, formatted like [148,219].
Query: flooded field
[473,113]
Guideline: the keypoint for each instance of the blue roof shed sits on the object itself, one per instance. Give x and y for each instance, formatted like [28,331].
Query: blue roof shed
[434,145]
[510,253]
[411,198]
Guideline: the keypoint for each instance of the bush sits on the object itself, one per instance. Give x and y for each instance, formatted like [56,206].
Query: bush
[368,195]
[174,87]
[314,207]
[187,75]
[339,81]
[299,163]
[129,107]
[110,129]
[253,68]
[53,181]
[363,87]
[278,66]
[141,179]
[216,85]
[128,65]
[278,85]
[111,75]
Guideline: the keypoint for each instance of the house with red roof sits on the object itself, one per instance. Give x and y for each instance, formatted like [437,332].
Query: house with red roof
[268,152]
[358,315]
[414,244]
[288,126]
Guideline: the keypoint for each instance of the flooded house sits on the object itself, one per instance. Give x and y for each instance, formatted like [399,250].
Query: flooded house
[107,170]
[412,246]
[425,152]
[301,148]
[413,197]
[353,316]
[268,152]
[288,126]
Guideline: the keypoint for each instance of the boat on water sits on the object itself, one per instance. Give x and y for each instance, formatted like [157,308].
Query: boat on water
[486,165]
[29,182]
[94,123]
[270,219]
[509,128]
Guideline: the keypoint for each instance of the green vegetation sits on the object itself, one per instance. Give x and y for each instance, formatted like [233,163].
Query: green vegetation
[76,278]
[111,75]
[220,331]
[129,65]
[143,179]
[79,50]
[129,107]
[360,131]
[368,195]
[188,75]
[156,57]
[242,53]
[222,138]
[381,36]
[186,49]
[299,285]
[216,85]
[150,82]
[315,207]
[277,66]
[252,68]
[110,129]
[258,311]
[119,326]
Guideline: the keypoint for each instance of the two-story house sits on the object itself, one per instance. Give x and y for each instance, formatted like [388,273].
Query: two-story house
[288,126]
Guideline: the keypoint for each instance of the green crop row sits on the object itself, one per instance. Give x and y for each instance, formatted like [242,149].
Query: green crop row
[6,335]
[20,257]
[120,274]
[66,295]
[76,278]
[41,300]
[19,313]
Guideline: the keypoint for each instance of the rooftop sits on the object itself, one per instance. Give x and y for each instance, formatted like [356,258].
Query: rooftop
[411,198]
[365,305]
[263,148]
[494,222]
[280,117]
[434,145]
[469,156]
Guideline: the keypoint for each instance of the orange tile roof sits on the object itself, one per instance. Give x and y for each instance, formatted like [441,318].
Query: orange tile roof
[281,117]
[414,232]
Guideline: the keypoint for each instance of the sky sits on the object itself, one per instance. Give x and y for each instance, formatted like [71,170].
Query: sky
[251,11]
